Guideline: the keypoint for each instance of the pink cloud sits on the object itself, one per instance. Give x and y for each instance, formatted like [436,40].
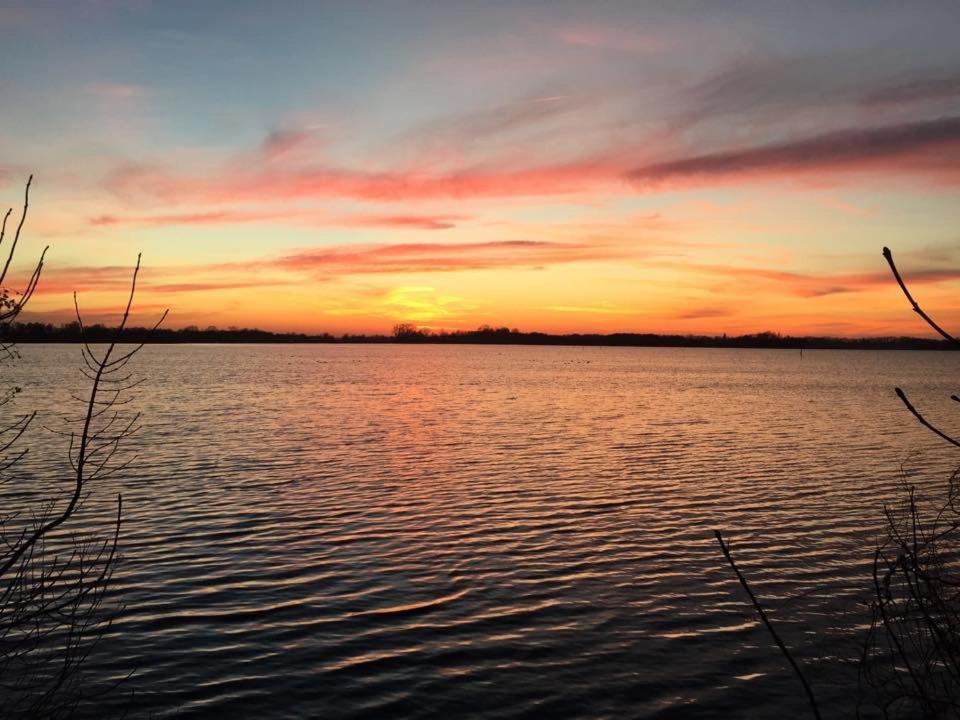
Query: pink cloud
[416,222]
[930,147]
[611,38]
[265,184]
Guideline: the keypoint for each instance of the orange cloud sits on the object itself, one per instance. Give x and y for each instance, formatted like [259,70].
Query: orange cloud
[224,217]
[333,261]
[435,257]
[198,218]
[705,311]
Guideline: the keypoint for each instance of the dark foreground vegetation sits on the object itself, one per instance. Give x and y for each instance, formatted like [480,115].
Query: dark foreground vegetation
[910,659]
[55,568]
[25,332]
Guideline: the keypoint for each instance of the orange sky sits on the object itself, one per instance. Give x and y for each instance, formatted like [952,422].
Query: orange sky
[533,165]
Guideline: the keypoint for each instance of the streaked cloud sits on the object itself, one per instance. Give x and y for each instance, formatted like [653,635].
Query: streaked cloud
[937,86]
[705,311]
[590,309]
[811,285]
[159,185]
[926,145]
[294,217]
[333,261]
[436,257]
[609,37]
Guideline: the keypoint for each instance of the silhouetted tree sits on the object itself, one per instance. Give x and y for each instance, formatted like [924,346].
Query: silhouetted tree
[408,332]
[53,578]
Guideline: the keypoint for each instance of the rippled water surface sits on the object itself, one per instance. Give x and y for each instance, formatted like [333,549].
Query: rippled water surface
[499,532]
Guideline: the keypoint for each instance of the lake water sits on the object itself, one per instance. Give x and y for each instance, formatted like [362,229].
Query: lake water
[499,532]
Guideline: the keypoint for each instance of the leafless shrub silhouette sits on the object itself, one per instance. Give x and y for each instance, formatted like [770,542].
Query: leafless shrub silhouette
[910,661]
[53,577]
[911,657]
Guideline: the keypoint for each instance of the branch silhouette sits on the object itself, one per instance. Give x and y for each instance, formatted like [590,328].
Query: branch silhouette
[766,621]
[916,306]
[923,421]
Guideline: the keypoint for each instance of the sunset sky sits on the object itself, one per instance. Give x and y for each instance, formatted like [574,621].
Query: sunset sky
[344,166]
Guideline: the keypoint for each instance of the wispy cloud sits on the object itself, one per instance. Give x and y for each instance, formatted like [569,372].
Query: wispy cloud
[921,144]
[310,218]
[414,222]
[811,285]
[216,217]
[324,263]
[458,133]
[931,147]
[769,93]
[156,184]
[590,309]
[706,311]
[918,89]
[117,91]
[280,143]
[609,37]
[330,262]
[188,287]
[436,257]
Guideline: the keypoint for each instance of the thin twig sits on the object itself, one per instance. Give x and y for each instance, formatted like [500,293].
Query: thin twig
[923,421]
[916,307]
[769,625]
[16,237]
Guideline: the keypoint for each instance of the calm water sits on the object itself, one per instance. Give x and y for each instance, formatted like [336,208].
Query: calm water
[432,532]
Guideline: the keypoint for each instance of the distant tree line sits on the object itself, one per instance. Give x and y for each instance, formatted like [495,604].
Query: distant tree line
[71,332]
[507,336]
[484,335]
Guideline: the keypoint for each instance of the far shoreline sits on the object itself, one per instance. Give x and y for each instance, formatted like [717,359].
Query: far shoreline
[32,333]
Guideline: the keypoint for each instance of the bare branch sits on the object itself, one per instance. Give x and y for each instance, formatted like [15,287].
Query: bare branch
[916,307]
[923,421]
[16,237]
[766,621]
